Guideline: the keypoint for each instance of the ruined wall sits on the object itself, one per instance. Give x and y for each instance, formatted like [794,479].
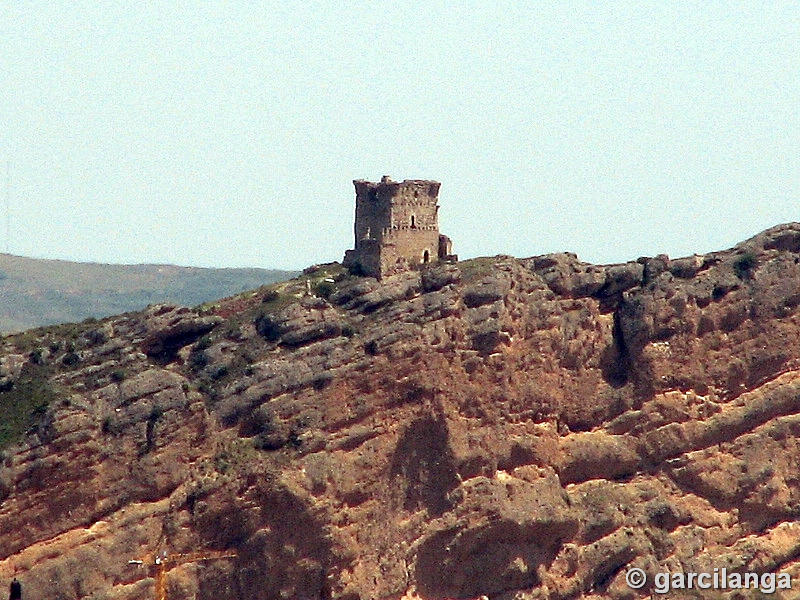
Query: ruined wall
[409,245]
[414,215]
[414,205]
[367,256]
[373,211]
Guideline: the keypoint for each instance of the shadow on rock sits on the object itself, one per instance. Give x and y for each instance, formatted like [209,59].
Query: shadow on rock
[425,463]
[284,549]
[499,556]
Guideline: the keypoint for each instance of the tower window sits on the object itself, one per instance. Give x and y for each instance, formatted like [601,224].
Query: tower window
[426,257]
[413,221]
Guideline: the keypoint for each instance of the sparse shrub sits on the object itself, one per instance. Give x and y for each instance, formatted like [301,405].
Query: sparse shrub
[71,359]
[111,426]
[37,356]
[476,267]
[348,330]
[324,289]
[198,360]
[203,343]
[269,435]
[270,296]
[322,381]
[262,420]
[744,265]
[206,387]
[96,337]
[233,332]
[295,440]
[269,327]
[117,375]
[222,462]
[269,441]
[718,292]
[219,372]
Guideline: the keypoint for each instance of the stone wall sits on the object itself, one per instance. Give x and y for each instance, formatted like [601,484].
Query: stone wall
[402,248]
[373,212]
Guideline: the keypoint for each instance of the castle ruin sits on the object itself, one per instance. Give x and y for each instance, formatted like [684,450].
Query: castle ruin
[396,227]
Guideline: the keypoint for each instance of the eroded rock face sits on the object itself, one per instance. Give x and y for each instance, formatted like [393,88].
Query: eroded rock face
[519,429]
[170,328]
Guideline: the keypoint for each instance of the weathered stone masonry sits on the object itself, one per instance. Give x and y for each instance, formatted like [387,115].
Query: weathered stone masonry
[396,226]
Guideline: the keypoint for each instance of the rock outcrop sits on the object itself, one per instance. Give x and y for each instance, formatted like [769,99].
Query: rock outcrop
[510,428]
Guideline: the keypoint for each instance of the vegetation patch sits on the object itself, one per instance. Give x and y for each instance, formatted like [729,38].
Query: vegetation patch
[274,300]
[475,268]
[324,288]
[744,265]
[66,335]
[198,360]
[24,403]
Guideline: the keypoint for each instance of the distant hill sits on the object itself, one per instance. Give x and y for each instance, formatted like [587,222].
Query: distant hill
[36,292]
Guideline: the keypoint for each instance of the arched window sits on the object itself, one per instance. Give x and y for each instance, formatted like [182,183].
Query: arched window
[426,257]
[413,221]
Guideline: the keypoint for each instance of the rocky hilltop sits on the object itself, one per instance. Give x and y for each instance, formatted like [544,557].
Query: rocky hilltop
[513,428]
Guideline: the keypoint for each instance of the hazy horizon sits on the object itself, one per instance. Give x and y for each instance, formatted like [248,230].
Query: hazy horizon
[138,264]
[223,135]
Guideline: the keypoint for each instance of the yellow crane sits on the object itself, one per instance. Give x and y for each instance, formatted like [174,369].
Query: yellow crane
[159,564]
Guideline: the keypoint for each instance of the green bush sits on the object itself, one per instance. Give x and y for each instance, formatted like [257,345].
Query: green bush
[203,343]
[71,359]
[155,413]
[219,372]
[324,289]
[198,360]
[96,336]
[269,327]
[270,296]
[111,426]
[37,356]
[744,265]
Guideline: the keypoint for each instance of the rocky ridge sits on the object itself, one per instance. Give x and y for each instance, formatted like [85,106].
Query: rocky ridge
[515,428]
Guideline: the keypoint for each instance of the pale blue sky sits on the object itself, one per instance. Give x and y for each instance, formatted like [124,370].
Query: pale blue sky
[227,134]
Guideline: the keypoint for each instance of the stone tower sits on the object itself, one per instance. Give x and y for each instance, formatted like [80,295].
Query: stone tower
[396,227]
